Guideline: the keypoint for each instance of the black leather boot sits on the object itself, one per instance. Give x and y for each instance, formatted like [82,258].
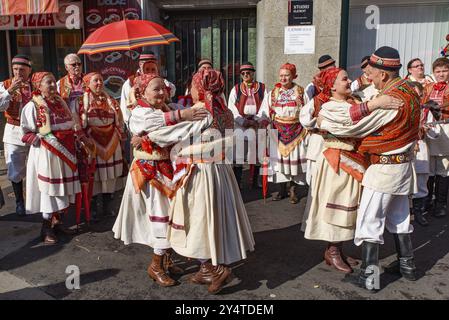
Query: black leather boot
[429,199]
[442,186]
[405,264]
[369,277]
[238,172]
[20,203]
[418,210]
[282,193]
[108,205]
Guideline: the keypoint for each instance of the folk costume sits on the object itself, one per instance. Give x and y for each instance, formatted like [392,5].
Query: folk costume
[15,150]
[71,89]
[208,219]
[287,147]
[389,137]
[439,149]
[336,185]
[245,102]
[144,212]
[102,121]
[52,176]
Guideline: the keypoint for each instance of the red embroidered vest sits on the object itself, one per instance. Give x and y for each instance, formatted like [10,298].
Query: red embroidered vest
[403,129]
[12,113]
[429,91]
[242,96]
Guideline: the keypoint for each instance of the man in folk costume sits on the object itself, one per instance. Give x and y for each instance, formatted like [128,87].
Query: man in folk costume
[341,167]
[324,62]
[280,109]
[144,212]
[15,93]
[102,121]
[71,86]
[52,179]
[245,100]
[389,137]
[439,148]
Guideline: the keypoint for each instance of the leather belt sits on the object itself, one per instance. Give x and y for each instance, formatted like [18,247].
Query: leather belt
[391,159]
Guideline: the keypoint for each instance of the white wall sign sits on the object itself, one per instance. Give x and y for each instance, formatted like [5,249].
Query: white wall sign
[299,40]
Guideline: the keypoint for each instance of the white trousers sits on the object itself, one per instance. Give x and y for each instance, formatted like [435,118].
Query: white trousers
[15,157]
[379,210]
[421,181]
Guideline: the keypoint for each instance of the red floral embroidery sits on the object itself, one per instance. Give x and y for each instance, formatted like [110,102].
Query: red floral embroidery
[440,86]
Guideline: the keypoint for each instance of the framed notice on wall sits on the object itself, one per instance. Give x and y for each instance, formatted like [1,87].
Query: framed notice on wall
[299,40]
[300,12]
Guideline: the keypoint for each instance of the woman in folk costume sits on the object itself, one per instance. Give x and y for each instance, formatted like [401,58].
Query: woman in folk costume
[280,108]
[208,219]
[143,216]
[102,121]
[52,177]
[336,187]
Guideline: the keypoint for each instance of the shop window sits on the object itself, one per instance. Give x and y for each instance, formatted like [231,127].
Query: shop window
[29,42]
[67,41]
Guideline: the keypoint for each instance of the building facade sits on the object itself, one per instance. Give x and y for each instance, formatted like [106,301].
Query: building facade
[230,32]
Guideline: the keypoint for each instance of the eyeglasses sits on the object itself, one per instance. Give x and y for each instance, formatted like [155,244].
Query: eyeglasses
[244,73]
[75,64]
[417,66]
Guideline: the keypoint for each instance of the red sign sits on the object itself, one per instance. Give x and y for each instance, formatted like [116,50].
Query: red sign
[115,66]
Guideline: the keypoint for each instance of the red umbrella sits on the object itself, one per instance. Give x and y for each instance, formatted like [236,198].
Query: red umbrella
[126,35]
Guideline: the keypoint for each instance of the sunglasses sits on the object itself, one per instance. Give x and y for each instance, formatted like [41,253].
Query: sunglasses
[244,73]
[75,64]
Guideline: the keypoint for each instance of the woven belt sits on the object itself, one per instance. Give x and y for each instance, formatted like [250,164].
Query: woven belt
[391,159]
[13,122]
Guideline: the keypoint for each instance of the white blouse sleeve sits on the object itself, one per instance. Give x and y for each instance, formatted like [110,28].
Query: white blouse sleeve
[28,118]
[145,120]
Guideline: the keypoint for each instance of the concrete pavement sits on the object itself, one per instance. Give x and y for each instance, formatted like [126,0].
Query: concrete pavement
[283,266]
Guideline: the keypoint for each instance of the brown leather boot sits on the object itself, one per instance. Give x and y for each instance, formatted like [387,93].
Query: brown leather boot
[204,275]
[332,256]
[220,277]
[157,273]
[47,233]
[169,265]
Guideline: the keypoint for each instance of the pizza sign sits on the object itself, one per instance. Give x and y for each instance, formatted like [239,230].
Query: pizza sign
[39,21]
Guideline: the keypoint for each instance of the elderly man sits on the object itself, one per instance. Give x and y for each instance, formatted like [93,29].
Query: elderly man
[71,86]
[148,63]
[245,100]
[388,139]
[15,93]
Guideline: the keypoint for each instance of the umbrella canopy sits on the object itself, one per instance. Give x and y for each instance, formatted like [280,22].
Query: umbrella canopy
[126,35]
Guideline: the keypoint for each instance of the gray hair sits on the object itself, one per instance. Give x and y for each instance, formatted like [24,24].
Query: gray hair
[70,58]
